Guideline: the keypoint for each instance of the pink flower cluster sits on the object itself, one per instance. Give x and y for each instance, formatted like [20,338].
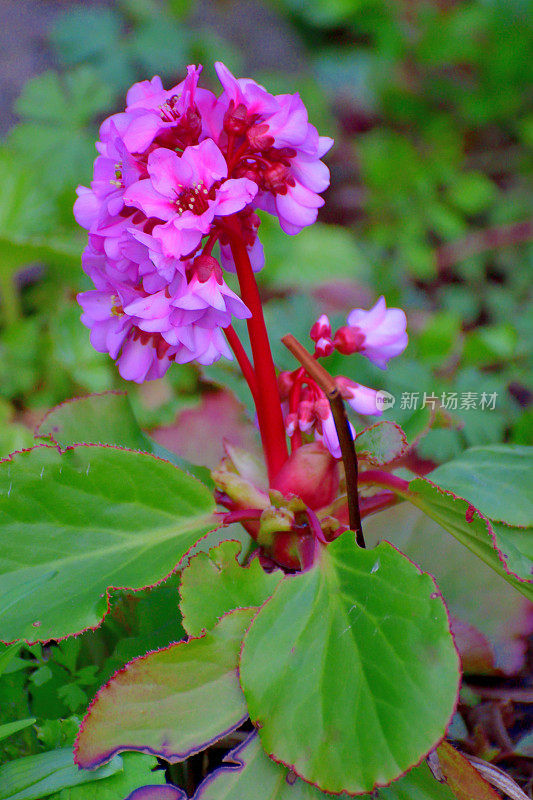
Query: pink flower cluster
[179,172]
[379,334]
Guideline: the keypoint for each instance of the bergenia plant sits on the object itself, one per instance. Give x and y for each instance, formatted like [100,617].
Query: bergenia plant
[335,660]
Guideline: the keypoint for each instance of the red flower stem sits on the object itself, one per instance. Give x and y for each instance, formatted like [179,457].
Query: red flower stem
[268,404]
[378,502]
[235,157]
[243,361]
[294,399]
[242,515]
[208,246]
[379,477]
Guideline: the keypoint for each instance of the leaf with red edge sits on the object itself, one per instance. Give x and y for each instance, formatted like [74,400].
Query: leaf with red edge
[172,702]
[487,643]
[97,418]
[349,670]
[462,777]
[247,772]
[506,550]
[497,479]
[214,583]
[381,443]
[107,418]
[157,793]
[74,525]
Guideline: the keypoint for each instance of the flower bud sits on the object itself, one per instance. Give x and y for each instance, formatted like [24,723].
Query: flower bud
[348,340]
[236,119]
[321,329]
[259,137]
[311,474]
[294,551]
[285,384]
[205,267]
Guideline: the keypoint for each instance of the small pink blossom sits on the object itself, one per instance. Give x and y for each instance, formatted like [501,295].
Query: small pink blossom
[379,334]
[207,301]
[361,398]
[187,193]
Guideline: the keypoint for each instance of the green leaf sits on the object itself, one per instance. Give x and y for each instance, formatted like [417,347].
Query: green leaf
[35,777]
[214,583]
[100,419]
[137,770]
[496,479]
[252,774]
[84,33]
[496,545]
[14,727]
[338,666]
[108,418]
[381,443]
[73,525]
[7,654]
[427,544]
[256,776]
[14,437]
[57,133]
[173,702]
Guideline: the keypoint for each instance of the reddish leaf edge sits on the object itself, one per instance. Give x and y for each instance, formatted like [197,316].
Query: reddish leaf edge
[343,792]
[158,792]
[367,456]
[110,589]
[470,512]
[232,762]
[207,553]
[171,757]
[38,434]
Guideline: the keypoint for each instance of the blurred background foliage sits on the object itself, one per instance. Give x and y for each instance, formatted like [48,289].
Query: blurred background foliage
[430,202]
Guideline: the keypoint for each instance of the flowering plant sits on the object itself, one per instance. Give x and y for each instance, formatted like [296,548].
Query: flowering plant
[341,656]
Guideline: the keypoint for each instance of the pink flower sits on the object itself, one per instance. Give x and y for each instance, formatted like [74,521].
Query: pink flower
[379,334]
[187,193]
[170,169]
[284,152]
[153,112]
[361,398]
[207,301]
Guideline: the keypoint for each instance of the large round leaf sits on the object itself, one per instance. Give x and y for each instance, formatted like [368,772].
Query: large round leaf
[75,524]
[172,702]
[349,670]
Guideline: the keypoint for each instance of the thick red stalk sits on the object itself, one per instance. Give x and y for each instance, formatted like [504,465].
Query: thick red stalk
[268,404]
